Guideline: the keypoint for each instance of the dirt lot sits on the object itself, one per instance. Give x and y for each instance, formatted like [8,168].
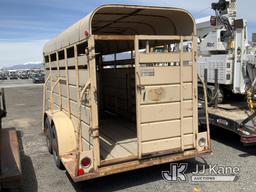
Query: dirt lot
[24,112]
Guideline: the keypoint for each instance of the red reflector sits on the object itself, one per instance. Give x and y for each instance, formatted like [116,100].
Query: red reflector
[86,162]
[80,172]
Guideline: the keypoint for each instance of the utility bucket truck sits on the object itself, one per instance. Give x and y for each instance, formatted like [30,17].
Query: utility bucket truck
[105,113]
[228,68]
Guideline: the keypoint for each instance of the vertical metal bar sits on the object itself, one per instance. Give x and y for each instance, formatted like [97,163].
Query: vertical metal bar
[181,96]
[94,107]
[59,85]
[51,79]
[216,89]
[205,84]
[79,140]
[100,90]
[206,78]
[77,73]
[67,82]
[147,47]
[195,90]
[79,127]
[166,48]
[137,76]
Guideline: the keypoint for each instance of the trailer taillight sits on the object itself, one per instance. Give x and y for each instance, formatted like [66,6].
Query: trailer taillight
[86,162]
[80,172]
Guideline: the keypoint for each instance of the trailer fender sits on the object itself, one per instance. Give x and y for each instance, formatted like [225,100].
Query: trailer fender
[65,133]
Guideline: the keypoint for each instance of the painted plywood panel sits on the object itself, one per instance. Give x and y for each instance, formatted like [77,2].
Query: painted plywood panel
[163,57]
[168,129]
[164,112]
[163,145]
[169,93]
[165,75]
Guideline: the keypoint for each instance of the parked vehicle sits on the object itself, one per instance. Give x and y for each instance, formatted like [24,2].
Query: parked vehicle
[223,49]
[229,69]
[103,117]
[24,75]
[38,78]
[13,76]
[3,76]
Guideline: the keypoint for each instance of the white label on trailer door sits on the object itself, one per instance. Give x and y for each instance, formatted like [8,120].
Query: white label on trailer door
[147,72]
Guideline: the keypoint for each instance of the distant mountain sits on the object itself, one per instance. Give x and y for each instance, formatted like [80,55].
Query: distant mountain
[25,66]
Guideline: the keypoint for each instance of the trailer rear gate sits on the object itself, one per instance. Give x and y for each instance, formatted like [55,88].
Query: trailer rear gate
[159,90]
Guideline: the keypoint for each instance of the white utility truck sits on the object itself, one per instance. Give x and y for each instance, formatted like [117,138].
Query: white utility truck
[227,64]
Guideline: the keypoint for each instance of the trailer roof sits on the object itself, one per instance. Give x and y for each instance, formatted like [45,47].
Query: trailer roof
[126,20]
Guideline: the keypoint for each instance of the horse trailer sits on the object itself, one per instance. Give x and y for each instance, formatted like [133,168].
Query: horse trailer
[121,91]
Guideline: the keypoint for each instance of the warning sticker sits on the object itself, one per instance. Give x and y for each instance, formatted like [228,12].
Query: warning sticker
[147,72]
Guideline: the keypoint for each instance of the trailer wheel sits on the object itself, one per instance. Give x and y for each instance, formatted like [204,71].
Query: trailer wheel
[55,149]
[48,134]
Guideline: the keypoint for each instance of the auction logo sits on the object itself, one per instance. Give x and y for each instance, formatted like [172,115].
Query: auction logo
[176,173]
[211,173]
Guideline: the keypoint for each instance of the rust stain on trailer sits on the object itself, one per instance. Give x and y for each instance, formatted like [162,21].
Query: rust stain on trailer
[156,94]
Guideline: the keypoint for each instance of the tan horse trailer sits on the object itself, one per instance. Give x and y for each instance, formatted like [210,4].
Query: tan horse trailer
[121,91]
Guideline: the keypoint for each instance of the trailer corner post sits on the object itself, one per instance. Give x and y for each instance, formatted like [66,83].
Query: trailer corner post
[59,87]
[94,108]
[181,93]
[67,82]
[195,90]
[216,92]
[137,82]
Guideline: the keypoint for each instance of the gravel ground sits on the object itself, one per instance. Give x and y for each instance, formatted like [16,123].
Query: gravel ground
[24,113]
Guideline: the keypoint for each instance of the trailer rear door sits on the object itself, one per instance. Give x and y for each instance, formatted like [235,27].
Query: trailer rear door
[165,96]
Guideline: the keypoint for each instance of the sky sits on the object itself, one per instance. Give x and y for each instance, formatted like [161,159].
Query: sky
[25,25]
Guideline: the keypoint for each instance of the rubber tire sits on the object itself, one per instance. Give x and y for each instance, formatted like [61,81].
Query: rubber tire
[48,135]
[55,150]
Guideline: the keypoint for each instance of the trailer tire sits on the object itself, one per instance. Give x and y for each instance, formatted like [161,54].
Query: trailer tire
[48,134]
[55,149]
